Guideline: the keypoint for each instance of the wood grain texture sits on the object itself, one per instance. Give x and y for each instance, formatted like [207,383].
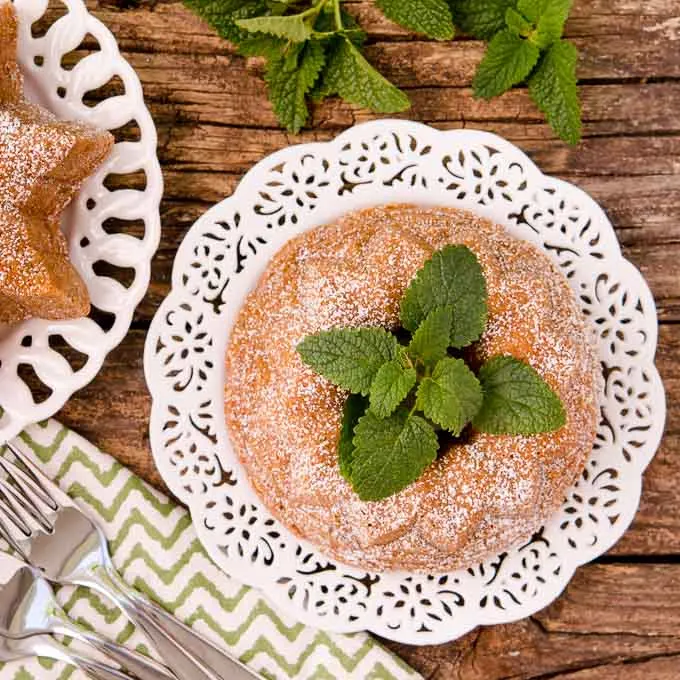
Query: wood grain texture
[620,616]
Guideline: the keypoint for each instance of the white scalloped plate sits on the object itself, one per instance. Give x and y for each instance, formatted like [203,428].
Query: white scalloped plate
[221,259]
[62,89]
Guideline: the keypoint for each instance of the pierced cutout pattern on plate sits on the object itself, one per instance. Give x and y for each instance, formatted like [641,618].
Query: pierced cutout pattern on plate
[222,258]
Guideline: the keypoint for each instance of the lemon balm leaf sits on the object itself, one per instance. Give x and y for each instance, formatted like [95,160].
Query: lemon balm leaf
[354,408]
[432,338]
[430,17]
[349,75]
[349,357]
[390,387]
[451,397]
[553,87]
[508,60]
[453,278]
[390,453]
[516,400]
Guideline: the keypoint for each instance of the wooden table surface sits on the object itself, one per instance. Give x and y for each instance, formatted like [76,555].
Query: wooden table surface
[620,616]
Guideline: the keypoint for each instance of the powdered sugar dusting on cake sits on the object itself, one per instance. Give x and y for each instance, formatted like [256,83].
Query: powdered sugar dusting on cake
[478,497]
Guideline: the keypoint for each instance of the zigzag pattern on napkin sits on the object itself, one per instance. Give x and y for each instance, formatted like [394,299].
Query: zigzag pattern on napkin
[156,549]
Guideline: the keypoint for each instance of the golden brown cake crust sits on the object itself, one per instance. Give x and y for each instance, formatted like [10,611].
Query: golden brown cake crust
[11,82]
[479,497]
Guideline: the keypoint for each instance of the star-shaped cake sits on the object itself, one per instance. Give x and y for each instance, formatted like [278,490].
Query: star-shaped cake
[43,163]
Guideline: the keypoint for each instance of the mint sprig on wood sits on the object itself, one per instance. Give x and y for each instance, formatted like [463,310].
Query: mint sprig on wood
[410,395]
[314,49]
[526,46]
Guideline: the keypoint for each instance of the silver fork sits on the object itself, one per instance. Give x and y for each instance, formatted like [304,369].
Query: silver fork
[42,645]
[69,548]
[29,614]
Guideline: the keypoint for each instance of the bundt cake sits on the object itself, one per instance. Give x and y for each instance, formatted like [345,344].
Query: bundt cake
[484,492]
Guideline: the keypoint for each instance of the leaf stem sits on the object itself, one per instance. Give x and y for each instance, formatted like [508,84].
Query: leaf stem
[338,16]
[313,11]
[406,359]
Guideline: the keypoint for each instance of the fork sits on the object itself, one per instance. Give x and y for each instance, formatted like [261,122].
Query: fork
[12,649]
[28,608]
[70,549]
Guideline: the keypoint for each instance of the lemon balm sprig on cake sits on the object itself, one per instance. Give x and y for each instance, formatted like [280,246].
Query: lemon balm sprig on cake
[405,396]
[482,492]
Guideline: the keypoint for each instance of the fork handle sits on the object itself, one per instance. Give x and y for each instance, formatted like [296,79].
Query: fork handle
[189,655]
[141,667]
[98,671]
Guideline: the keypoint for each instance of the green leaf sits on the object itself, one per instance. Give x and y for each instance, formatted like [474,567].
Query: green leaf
[431,340]
[516,400]
[349,75]
[294,27]
[261,45]
[549,16]
[553,87]
[517,23]
[390,387]
[451,397]
[431,17]
[531,9]
[509,59]
[390,453]
[452,277]
[288,87]
[480,18]
[354,408]
[223,14]
[349,357]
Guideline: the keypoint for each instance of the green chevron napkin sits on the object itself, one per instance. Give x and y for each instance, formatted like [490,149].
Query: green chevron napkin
[156,549]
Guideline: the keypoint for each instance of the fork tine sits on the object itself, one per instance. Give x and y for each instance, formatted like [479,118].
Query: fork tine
[24,492]
[34,479]
[9,518]
[16,501]
[6,534]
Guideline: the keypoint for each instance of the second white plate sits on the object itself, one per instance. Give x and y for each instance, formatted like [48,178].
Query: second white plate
[112,233]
